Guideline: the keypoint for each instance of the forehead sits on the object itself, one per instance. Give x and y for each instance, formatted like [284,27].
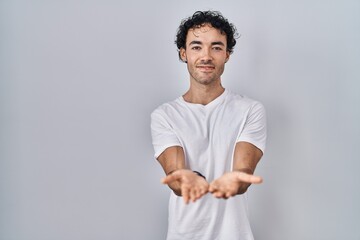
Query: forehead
[204,33]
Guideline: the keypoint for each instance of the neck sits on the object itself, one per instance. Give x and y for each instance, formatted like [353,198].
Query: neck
[203,94]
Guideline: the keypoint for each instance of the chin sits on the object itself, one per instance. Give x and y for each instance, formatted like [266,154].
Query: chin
[206,81]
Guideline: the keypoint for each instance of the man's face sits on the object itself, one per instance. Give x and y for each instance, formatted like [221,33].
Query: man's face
[205,54]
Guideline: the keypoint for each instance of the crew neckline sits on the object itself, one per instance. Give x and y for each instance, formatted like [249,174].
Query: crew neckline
[214,102]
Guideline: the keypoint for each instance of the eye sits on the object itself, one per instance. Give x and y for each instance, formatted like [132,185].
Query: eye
[196,48]
[218,48]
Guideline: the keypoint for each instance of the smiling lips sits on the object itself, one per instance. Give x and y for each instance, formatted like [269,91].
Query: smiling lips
[206,67]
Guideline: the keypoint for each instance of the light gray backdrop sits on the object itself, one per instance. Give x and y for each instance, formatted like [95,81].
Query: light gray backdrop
[79,80]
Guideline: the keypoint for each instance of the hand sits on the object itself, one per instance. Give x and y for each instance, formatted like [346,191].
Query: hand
[232,183]
[191,186]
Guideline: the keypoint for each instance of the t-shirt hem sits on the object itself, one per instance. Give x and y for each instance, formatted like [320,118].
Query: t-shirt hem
[164,147]
[259,145]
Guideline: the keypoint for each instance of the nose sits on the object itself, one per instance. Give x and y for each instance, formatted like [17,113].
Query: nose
[206,55]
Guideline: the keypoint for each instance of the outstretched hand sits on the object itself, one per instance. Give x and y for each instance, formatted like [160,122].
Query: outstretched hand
[191,185]
[232,183]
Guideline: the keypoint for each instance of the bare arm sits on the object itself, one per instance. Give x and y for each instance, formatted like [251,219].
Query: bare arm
[182,181]
[172,159]
[246,157]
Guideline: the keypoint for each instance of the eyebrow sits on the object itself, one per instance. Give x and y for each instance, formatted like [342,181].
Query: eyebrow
[217,43]
[213,43]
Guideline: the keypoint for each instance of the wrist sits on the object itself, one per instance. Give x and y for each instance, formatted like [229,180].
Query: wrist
[170,172]
[244,170]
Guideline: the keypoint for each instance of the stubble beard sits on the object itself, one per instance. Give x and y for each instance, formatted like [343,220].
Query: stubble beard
[206,79]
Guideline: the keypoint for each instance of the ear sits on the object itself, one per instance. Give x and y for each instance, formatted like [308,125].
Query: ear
[183,55]
[227,56]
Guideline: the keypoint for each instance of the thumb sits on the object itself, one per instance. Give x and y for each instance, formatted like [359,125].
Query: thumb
[248,178]
[171,178]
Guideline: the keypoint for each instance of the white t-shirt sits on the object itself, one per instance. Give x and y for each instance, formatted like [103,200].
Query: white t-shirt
[208,134]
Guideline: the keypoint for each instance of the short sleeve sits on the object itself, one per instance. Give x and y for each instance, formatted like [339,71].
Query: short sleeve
[254,130]
[163,136]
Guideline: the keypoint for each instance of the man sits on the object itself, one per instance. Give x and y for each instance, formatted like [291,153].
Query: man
[209,140]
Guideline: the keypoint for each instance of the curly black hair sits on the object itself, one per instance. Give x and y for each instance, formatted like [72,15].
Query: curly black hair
[200,18]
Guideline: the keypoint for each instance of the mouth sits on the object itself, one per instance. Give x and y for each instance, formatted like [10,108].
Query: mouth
[205,67]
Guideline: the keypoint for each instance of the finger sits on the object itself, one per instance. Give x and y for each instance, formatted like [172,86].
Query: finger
[203,191]
[171,178]
[218,194]
[198,194]
[248,178]
[185,194]
[193,195]
[229,194]
[213,187]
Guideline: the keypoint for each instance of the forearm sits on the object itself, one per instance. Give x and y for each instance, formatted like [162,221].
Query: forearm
[246,157]
[173,159]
